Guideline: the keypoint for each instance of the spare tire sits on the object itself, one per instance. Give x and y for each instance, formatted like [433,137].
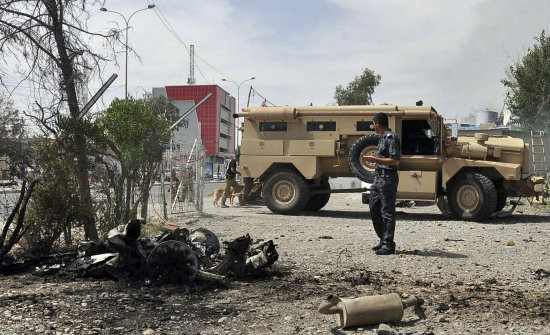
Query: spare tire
[366,145]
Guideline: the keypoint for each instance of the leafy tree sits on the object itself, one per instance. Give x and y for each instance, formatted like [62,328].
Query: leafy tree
[49,44]
[136,131]
[359,91]
[528,82]
[54,206]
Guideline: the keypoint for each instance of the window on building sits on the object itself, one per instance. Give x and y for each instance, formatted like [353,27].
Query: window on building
[228,100]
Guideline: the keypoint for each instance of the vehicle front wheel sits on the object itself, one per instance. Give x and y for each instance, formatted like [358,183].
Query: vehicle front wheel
[473,197]
[318,201]
[286,192]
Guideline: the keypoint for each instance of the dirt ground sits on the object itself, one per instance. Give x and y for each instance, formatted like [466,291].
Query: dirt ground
[473,277]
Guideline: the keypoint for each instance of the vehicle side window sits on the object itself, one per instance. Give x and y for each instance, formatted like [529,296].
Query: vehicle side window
[417,138]
[365,126]
[273,126]
[321,126]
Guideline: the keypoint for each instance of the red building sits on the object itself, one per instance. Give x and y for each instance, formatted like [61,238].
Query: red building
[215,116]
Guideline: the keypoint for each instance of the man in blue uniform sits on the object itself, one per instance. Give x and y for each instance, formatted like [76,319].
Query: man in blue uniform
[384,189]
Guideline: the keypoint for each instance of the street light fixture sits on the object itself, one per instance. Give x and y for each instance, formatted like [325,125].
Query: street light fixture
[103,9]
[238,104]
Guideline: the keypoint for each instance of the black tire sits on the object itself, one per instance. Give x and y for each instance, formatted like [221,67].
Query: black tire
[363,146]
[286,192]
[473,197]
[443,205]
[365,198]
[502,196]
[501,199]
[250,196]
[318,201]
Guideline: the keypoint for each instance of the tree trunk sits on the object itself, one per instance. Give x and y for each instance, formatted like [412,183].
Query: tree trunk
[88,215]
[19,229]
[145,203]
[127,204]
[67,71]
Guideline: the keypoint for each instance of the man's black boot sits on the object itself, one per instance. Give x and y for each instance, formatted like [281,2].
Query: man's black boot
[378,246]
[385,250]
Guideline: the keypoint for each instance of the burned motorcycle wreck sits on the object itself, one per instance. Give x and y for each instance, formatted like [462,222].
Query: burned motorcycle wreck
[175,257]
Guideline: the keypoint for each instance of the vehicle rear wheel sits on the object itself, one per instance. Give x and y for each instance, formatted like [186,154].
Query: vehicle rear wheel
[285,192]
[318,201]
[362,169]
[473,197]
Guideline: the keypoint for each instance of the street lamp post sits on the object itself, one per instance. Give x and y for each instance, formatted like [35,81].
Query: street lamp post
[103,9]
[238,104]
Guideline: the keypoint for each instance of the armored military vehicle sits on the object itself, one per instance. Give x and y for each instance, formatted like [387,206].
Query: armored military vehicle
[293,151]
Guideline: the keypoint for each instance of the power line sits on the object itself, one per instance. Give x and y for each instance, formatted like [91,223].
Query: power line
[258,93]
[174,33]
[171,29]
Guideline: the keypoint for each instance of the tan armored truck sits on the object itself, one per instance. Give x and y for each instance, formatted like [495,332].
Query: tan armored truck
[292,151]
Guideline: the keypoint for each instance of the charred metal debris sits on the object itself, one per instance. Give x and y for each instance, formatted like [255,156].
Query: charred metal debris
[178,256]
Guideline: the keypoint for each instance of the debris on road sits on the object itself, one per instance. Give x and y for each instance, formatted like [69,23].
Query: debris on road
[366,310]
[261,255]
[174,257]
[243,258]
[540,273]
[10,265]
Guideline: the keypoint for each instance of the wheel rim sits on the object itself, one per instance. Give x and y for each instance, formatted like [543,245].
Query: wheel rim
[283,192]
[368,151]
[467,198]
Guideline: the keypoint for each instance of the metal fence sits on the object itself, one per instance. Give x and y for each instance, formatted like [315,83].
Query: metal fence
[179,191]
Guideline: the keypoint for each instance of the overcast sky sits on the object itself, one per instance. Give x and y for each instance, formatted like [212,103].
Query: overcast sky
[450,54]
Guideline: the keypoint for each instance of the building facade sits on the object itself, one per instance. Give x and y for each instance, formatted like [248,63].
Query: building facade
[212,121]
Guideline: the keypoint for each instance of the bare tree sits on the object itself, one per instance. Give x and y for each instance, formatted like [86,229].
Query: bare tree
[55,51]
[15,226]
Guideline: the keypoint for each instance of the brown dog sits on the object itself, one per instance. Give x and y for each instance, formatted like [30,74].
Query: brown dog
[218,193]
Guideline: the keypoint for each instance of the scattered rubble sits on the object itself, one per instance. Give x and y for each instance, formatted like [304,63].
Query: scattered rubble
[384,329]
[461,280]
[541,273]
[174,257]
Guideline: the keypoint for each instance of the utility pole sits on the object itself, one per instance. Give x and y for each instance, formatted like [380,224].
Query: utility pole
[103,9]
[238,106]
[191,80]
